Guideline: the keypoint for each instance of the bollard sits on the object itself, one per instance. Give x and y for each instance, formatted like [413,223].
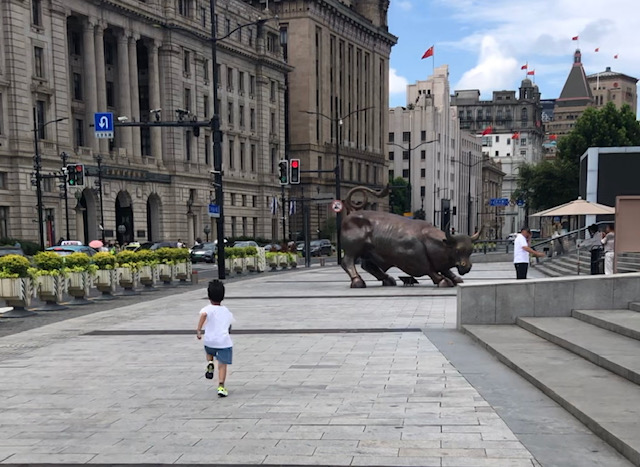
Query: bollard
[485,248]
[194,277]
[321,261]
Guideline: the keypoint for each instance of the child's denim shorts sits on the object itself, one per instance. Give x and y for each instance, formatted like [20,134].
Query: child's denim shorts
[222,355]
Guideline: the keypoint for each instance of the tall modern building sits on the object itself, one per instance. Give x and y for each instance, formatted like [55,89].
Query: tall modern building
[514,135]
[337,99]
[441,163]
[61,61]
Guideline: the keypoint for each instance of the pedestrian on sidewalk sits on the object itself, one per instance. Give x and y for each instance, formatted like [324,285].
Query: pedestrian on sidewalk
[521,251]
[608,240]
[216,320]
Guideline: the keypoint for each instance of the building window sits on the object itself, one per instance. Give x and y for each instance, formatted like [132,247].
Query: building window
[242,166]
[405,155]
[4,216]
[244,200]
[205,104]
[231,156]
[230,79]
[272,123]
[187,145]
[391,175]
[252,119]
[75,45]
[205,70]
[405,173]
[391,155]
[423,173]
[233,199]
[423,135]
[230,113]
[111,98]
[187,99]
[203,16]
[227,26]
[239,32]
[423,155]
[207,150]
[523,141]
[3,181]
[186,61]
[77,86]
[525,115]
[36,12]
[497,139]
[41,111]
[252,85]
[184,7]
[241,82]
[241,115]
[272,91]
[78,131]
[253,163]
[38,62]
[406,136]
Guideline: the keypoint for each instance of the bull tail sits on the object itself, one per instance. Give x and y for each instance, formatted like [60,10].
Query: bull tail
[355,205]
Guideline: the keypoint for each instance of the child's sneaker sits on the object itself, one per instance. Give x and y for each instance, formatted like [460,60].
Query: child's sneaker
[222,391]
[209,373]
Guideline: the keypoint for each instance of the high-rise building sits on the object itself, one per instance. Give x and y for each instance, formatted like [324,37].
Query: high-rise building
[441,163]
[337,99]
[61,61]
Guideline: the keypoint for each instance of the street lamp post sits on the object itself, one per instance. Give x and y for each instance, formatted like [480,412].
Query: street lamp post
[338,123]
[98,159]
[207,231]
[65,157]
[37,165]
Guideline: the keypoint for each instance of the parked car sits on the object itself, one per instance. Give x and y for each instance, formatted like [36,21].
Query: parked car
[203,252]
[66,250]
[512,237]
[272,247]
[318,248]
[11,250]
[245,243]
[156,245]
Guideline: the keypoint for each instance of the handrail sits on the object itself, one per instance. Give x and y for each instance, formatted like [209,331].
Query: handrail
[573,232]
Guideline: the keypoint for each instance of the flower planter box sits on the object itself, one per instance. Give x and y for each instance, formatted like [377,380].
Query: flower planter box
[283,261]
[17,293]
[78,286]
[166,273]
[128,279]
[251,263]
[148,276]
[228,265]
[261,265]
[50,290]
[183,271]
[293,262]
[239,265]
[105,281]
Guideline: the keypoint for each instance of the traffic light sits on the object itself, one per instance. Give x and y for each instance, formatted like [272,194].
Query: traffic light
[294,174]
[75,174]
[283,167]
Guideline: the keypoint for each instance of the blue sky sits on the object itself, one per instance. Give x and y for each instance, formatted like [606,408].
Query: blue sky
[485,42]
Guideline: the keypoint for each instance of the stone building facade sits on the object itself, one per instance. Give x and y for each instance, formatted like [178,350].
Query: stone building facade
[441,162]
[339,51]
[515,135]
[68,59]
[612,86]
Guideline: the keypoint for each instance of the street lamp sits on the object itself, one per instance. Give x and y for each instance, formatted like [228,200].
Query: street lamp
[98,159]
[410,150]
[338,121]
[37,165]
[436,191]
[469,202]
[65,157]
[207,231]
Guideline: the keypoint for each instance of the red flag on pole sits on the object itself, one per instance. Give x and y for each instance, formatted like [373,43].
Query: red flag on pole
[553,137]
[487,131]
[428,53]
[524,67]
[615,56]
[597,49]
[516,135]
[532,72]
[574,38]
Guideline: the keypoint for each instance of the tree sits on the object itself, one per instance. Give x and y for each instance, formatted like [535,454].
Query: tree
[551,183]
[399,196]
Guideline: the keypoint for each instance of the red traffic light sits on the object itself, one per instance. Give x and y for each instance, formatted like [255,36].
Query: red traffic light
[295,163]
[78,168]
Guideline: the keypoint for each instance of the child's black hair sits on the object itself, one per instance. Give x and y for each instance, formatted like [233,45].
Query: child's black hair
[215,291]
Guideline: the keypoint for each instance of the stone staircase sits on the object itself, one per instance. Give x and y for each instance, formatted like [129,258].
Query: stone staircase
[567,264]
[588,363]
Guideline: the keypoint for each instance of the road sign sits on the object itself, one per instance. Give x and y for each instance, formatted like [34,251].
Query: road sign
[336,205]
[214,210]
[103,124]
[499,202]
[520,202]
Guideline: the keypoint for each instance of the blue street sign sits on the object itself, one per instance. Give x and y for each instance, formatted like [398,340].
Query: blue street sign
[520,202]
[214,210]
[499,202]
[103,124]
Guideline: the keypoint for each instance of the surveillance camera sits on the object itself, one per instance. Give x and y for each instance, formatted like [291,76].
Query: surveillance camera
[123,119]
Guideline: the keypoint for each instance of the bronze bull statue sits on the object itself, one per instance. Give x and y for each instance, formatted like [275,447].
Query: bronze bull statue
[382,240]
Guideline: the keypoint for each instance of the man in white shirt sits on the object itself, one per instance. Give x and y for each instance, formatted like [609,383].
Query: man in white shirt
[521,251]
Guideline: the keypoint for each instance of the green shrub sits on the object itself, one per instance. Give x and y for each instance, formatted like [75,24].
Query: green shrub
[29,248]
[104,260]
[146,257]
[271,257]
[230,252]
[48,261]
[12,266]
[251,251]
[165,255]
[127,259]
[77,260]
[181,255]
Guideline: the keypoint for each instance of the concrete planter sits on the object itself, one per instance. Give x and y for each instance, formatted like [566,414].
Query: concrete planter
[293,261]
[128,279]
[228,265]
[239,265]
[183,271]
[148,276]
[17,293]
[105,281]
[78,285]
[166,273]
[50,290]
[283,261]
[251,263]
[261,265]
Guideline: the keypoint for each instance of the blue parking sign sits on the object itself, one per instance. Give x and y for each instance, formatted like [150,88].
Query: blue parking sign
[103,124]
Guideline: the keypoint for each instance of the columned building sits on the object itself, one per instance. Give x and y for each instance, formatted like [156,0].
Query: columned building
[337,100]
[64,60]
[441,163]
[514,135]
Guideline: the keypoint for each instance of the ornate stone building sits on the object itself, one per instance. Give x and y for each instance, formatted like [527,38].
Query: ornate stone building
[63,60]
[339,51]
[612,86]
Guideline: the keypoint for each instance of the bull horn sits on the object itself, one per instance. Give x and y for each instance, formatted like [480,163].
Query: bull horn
[476,236]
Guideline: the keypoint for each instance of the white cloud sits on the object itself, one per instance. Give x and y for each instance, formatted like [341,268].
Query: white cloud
[404,5]
[495,69]
[397,84]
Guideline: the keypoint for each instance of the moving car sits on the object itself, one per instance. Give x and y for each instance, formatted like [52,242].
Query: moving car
[203,252]
[11,250]
[156,245]
[272,247]
[66,250]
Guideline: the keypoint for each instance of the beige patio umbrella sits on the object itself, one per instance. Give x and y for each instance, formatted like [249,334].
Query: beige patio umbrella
[579,207]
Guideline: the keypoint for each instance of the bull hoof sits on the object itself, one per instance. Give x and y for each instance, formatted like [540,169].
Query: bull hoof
[458,280]
[358,284]
[388,282]
[446,282]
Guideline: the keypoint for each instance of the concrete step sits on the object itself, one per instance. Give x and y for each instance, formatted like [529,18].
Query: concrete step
[634,306]
[623,322]
[607,404]
[613,352]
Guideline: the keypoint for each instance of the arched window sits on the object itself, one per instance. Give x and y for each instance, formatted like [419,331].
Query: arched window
[524,115]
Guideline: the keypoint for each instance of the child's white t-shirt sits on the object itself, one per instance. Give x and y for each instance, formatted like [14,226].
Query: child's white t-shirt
[216,326]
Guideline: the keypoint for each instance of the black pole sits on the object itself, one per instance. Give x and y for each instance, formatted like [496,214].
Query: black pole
[37,162]
[469,200]
[284,214]
[64,156]
[337,170]
[217,144]
[99,160]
